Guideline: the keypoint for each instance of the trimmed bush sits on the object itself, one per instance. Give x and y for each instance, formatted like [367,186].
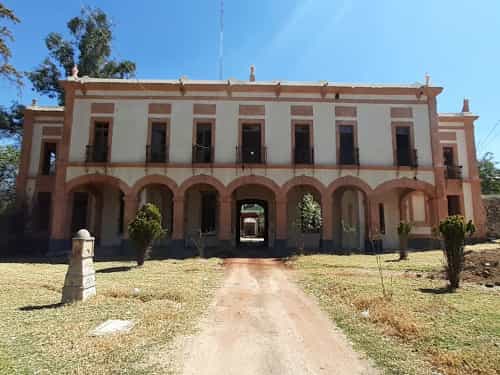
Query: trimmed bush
[309,215]
[404,230]
[454,231]
[145,229]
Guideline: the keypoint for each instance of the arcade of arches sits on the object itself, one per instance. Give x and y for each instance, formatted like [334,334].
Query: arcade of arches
[352,212]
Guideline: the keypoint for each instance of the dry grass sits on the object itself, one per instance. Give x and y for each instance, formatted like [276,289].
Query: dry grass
[37,335]
[418,330]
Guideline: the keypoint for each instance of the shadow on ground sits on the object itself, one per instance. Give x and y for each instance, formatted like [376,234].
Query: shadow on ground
[41,307]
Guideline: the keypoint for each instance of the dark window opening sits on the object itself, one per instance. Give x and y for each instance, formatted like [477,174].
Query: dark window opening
[202,151]
[448,156]
[303,149]
[158,146]
[49,158]
[347,149]
[44,203]
[251,148]
[99,150]
[454,205]
[381,215]
[80,211]
[121,215]
[403,146]
[208,211]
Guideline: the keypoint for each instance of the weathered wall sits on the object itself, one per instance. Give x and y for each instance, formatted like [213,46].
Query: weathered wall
[492,208]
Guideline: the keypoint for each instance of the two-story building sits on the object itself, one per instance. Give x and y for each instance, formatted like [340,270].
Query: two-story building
[209,153]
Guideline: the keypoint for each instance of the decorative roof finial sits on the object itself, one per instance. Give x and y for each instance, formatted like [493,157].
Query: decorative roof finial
[74,72]
[465,106]
[33,102]
[427,79]
[252,73]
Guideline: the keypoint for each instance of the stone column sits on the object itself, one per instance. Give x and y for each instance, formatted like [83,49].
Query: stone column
[280,242]
[129,212]
[327,229]
[224,229]
[79,283]
[178,225]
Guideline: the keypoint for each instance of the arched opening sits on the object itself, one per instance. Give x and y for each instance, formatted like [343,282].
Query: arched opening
[201,215]
[303,228]
[350,218]
[162,197]
[97,204]
[252,223]
[259,201]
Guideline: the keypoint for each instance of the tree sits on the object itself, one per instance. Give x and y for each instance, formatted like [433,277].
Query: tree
[309,214]
[404,230]
[145,229]
[89,48]
[489,174]
[11,121]
[7,71]
[454,230]
[9,160]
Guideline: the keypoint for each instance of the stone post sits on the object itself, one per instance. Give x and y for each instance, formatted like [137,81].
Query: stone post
[79,283]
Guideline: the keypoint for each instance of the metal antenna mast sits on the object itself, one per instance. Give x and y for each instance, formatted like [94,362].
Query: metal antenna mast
[221,40]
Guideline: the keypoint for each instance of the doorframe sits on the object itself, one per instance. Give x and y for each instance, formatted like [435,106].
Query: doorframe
[264,205]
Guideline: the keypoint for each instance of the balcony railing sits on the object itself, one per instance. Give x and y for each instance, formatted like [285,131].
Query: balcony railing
[156,154]
[202,154]
[407,158]
[349,158]
[303,155]
[453,172]
[96,154]
[251,155]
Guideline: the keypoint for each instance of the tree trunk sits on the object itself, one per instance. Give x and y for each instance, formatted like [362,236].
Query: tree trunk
[403,247]
[141,255]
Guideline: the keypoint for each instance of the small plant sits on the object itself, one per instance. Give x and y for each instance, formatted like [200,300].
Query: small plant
[198,240]
[454,231]
[145,229]
[404,230]
[387,294]
[309,217]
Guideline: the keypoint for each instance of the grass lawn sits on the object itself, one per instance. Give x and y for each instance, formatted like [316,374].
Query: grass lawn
[416,331]
[39,336]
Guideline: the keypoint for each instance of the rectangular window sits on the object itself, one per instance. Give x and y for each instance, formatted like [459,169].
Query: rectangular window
[99,149]
[251,147]
[454,205]
[448,156]
[403,146]
[208,211]
[158,143]
[202,152]
[381,215]
[346,145]
[49,158]
[303,151]
[44,203]
[80,210]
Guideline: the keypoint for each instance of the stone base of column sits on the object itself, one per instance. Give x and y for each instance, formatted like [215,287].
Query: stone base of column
[326,246]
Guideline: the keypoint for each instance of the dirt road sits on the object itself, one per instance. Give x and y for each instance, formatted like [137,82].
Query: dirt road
[262,323]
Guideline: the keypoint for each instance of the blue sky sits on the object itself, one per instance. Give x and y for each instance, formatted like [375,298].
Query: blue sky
[384,41]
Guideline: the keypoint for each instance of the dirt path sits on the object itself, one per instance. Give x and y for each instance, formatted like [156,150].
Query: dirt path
[261,323]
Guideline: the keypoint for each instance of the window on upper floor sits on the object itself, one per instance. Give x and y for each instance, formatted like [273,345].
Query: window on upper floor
[251,149]
[48,162]
[448,156]
[98,150]
[303,151]
[347,149]
[452,170]
[208,211]
[203,148]
[403,146]
[454,205]
[157,151]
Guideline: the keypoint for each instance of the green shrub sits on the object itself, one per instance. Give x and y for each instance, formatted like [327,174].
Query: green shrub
[404,230]
[454,230]
[145,229]
[309,218]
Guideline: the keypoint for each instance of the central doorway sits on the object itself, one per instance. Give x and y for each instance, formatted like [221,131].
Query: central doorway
[251,223]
